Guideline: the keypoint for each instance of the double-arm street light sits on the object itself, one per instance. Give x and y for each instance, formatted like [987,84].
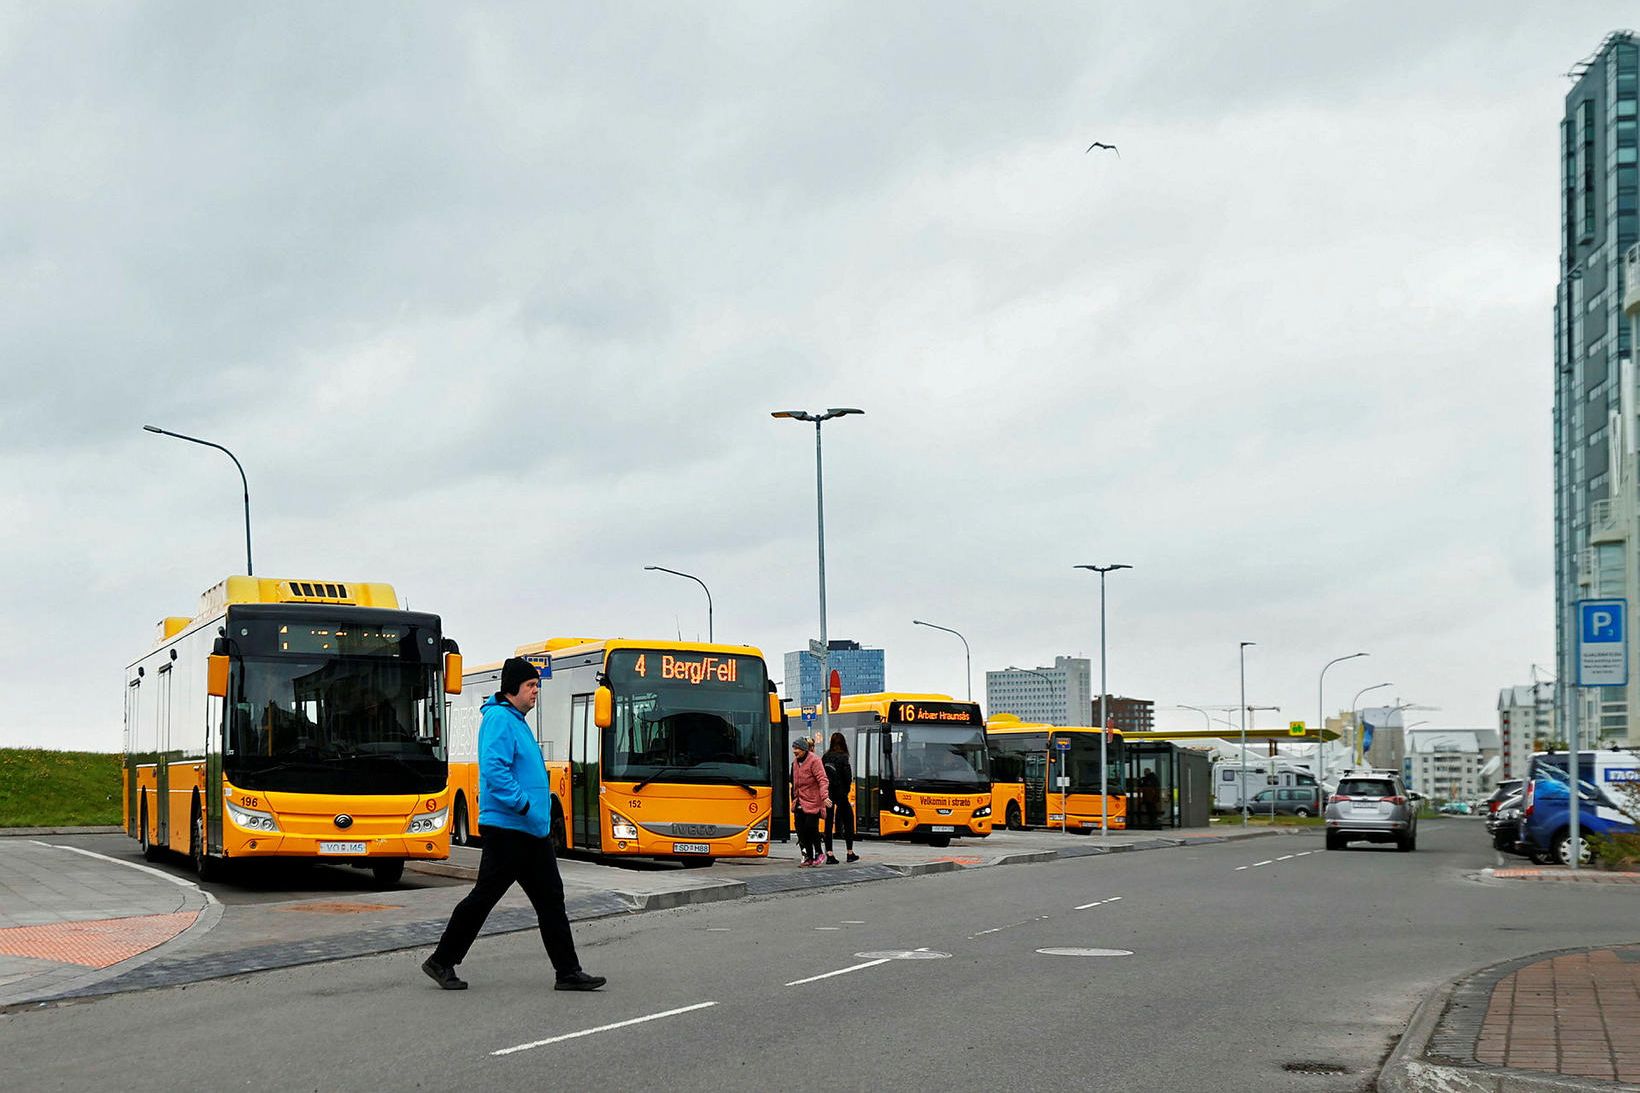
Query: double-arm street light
[1356,751]
[697,580]
[967,657]
[1321,719]
[820,535]
[1104,695]
[249,572]
[1207,718]
[1242,653]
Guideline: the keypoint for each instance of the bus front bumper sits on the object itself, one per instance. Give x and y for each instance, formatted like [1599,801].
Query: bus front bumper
[340,848]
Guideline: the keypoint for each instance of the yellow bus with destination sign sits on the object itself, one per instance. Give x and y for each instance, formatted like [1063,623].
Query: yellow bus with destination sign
[1027,762]
[653,749]
[921,769]
[291,719]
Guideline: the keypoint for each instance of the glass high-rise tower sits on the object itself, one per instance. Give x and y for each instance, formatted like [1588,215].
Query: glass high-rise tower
[1597,496]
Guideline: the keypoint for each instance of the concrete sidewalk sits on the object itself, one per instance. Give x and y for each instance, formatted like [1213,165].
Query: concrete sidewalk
[70,918]
[266,935]
[1567,1020]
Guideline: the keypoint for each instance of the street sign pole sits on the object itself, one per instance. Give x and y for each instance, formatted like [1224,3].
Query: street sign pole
[1064,780]
[1602,661]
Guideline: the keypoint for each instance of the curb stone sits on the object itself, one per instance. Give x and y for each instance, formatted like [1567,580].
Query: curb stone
[111,829]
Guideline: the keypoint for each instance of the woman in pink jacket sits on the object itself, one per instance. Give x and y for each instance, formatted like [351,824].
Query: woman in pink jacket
[808,799]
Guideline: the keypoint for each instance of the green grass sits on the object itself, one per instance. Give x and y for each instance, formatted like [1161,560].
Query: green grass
[1263,820]
[40,788]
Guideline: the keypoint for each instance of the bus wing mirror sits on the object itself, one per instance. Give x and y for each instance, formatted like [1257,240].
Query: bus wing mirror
[776,710]
[452,673]
[603,708]
[216,675]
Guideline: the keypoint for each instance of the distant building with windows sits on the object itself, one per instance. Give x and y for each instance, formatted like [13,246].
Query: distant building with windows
[1050,696]
[860,671]
[1127,714]
[1451,764]
[1526,723]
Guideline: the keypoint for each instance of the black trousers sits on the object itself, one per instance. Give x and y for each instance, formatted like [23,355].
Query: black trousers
[840,818]
[513,856]
[808,832]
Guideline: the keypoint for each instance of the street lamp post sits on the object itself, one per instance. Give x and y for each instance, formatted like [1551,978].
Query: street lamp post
[1207,719]
[820,536]
[249,572]
[967,657]
[1321,722]
[1243,656]
[1104,695]
[679,573]
[1271,766]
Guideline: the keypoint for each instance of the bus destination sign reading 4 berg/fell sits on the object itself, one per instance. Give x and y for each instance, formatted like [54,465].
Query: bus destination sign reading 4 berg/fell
[934,713]
[694,670]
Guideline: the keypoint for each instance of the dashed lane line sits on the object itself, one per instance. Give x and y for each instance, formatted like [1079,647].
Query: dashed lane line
[839,971]
[1271,861]
[1097,903]
[602,1028]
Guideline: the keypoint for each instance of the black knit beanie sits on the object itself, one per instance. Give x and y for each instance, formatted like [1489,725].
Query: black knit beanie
[514,673]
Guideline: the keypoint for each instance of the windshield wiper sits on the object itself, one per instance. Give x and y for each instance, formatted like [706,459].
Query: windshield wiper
[663,770]
[658,772]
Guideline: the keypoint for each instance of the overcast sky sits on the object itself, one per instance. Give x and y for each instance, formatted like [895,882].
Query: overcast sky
[494,302]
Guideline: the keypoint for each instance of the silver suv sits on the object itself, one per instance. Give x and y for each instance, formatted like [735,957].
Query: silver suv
[1372,806]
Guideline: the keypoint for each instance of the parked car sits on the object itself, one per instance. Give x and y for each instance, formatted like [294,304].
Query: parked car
[1504,824]
[1455,808]
[1294,801]
[1372,806]
[1603,807]
[1507,788]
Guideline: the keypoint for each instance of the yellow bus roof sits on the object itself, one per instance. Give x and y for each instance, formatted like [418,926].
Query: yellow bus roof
[878,701]
[239,589]
[1004,723]
[586,645]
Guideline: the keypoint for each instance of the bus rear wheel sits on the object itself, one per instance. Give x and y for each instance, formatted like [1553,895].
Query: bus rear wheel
[1015,821]
[150,852]
[387,873]
[458,826]
[560,842]
[205,866]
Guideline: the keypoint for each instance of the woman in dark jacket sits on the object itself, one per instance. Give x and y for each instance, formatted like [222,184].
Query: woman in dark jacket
[839,779]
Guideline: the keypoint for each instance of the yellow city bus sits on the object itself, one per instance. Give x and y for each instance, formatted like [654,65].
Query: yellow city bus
[291,719]
[1027,761]
[920,765]
[657,749]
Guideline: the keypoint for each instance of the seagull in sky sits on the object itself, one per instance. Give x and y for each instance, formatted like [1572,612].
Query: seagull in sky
[1107,147]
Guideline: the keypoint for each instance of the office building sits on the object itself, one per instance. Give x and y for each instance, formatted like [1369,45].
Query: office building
[1127,714]
[860,671]
[1451,764]
[1052,696]
[1597,492]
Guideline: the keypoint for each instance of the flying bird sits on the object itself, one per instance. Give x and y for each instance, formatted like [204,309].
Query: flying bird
[1108,147]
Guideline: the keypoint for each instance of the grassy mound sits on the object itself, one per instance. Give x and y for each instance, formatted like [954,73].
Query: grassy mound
[40,788]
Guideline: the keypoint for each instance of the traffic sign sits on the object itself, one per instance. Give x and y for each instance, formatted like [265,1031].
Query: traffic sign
[834,690]
[816,649]
[1295,728]
[1602,643]
[808,715]
[1062,745]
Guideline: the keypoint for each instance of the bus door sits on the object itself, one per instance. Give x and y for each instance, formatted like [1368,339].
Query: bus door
[1036,787]
[583,775]
[161,809]
[868,772]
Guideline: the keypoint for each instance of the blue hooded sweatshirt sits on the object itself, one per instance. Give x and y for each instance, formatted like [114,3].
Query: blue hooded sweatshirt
[513,791]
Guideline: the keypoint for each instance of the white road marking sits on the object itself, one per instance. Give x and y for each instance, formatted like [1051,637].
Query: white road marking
[852,921]
[160,873]
[839,971]
[601,1028]
[1239,868]
[717,929]
[828,927]
[1007,926]
[1259,863]
[1286,857]
[1096,903]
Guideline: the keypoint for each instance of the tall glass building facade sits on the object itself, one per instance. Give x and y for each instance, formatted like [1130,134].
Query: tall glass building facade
[1597,498]
[859,670]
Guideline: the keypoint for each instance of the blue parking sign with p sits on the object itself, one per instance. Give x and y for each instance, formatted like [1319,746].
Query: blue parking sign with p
[1602,653]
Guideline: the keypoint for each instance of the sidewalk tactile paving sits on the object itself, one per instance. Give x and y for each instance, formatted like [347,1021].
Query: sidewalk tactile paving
[99,943]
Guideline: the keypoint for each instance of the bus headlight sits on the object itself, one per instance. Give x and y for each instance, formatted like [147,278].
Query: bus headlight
[982,810]
[426,825]
[758,832]
[250,819]
[900,810]
[623,828]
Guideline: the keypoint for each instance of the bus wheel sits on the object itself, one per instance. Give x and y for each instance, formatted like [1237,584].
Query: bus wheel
[696,863]
[387,873]
[1015,821]
[939,840]
[458,826]
[559,841]
[204,865]
[150,852]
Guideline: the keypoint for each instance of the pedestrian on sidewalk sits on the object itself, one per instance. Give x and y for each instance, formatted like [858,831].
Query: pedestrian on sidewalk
[808,798]
[839,780]
[515,819]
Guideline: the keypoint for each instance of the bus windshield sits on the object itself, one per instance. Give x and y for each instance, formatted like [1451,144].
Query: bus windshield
[688,717]
[1084,764]
[940,757]
[334,725]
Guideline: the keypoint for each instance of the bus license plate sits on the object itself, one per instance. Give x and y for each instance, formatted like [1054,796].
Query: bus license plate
[943,829]
[691,848]
[341,848]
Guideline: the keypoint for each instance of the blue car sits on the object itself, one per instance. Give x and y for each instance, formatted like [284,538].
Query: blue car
[1604,807]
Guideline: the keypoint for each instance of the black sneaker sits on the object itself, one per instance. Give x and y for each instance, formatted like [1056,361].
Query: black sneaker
[443,976]
[579,981]
[831,859]
[852,856]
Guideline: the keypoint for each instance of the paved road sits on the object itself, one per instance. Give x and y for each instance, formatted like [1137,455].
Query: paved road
[1237,969]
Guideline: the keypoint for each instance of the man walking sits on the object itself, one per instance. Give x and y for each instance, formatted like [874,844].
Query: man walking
[515,819]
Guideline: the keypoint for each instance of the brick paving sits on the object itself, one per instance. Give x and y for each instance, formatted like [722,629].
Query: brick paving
[1575,1014]
[1582,876]
[98,943]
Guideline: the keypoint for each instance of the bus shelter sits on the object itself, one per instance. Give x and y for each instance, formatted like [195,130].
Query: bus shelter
[1168,786]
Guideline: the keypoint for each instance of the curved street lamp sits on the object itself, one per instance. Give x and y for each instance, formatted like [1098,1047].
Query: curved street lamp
[697,580]
[249,572]
[1321,717]
[967,658]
